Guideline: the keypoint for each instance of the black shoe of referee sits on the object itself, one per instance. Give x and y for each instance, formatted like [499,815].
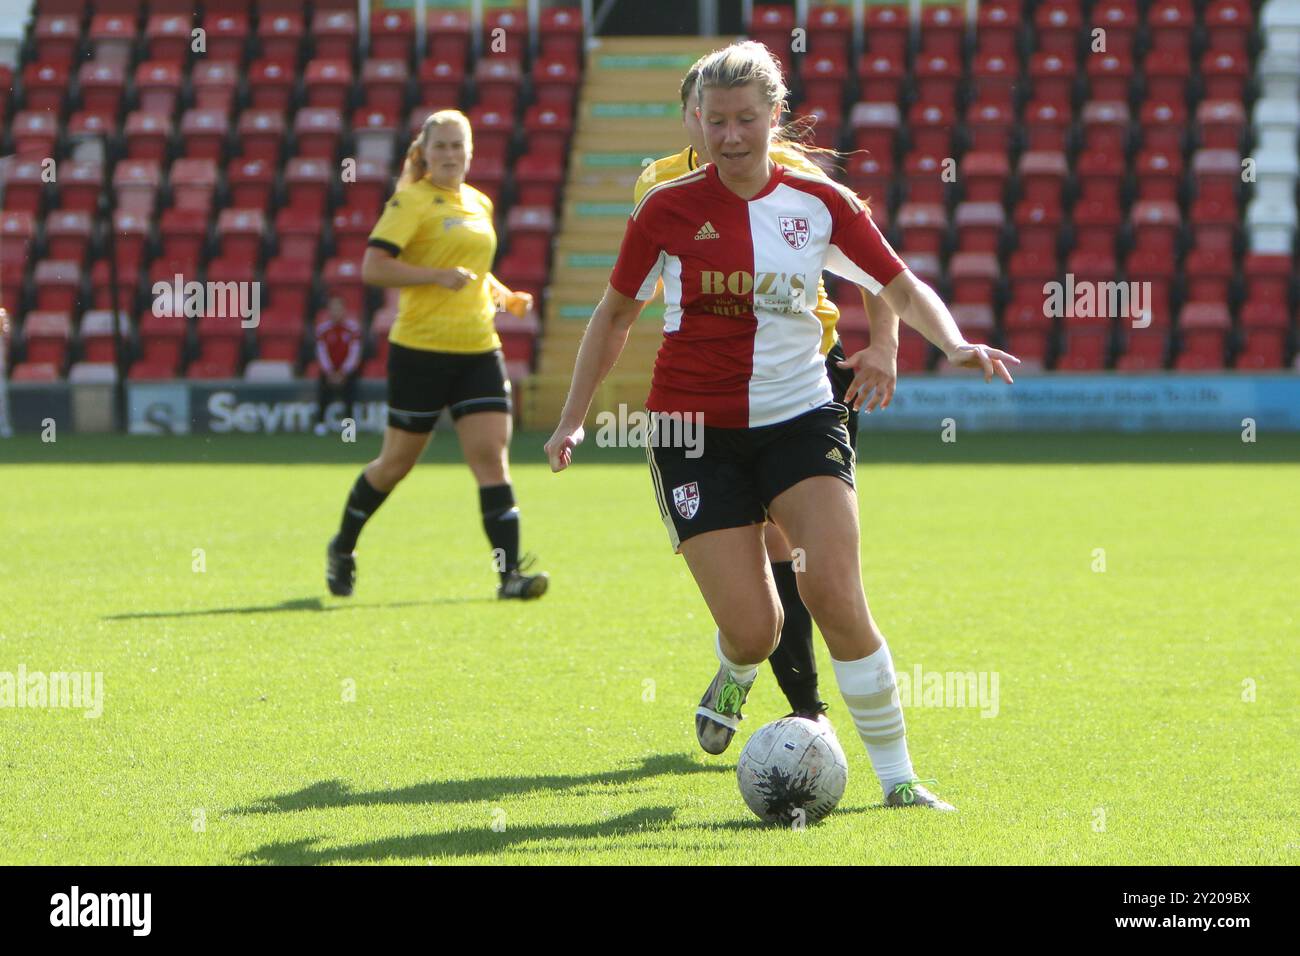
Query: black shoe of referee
[516,584]
[340,571]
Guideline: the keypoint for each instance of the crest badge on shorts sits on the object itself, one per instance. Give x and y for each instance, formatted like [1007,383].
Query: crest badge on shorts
[794,229]
[687,499]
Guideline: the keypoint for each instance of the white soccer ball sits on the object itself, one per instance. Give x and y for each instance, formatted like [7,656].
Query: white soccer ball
[792,771]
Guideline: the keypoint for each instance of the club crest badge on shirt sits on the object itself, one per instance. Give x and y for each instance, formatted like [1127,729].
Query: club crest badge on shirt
[794,229]
[687,499]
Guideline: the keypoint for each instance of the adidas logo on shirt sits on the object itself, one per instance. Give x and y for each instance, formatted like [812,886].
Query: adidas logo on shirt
[835,456]
[707,231]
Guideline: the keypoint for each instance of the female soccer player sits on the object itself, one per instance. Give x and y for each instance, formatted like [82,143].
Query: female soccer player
[741,349]
[435,241]
[794,663]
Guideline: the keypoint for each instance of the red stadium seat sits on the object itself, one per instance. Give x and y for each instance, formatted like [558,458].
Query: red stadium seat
[148,135]
[1028,270]
[261,134]
[560,30]
[47,335]
[352,227]
[771,24]
[271,83]
[881,75]
[1209,273]
[159,85]
[318,132]
[985,176]
[1158,270]
[35,132]
[46,85]
[1106,126]
[924,173]
[280,35]
[1161,123]
[1214,226]
[448,34]
[990,126]
[101,287]
[392,34]
[193,182]
[556,79]
[887,29]
[98,343]
[167,37]
[183,236]
[829,29]
[343,278]
[875,127]
[1159,174]
[996,76]
[376,135]
[1101,174]
[507,29]
[289,281]
[1217,173]
[1052,78]
[1058,25]
[538,177]
[1042,176]
[1268,277]
[239,234]
[204,132]
[307,182]
[67,235]
[102,87]
[251,182]
[871,178]
[440,82]
[1203,329]
[130,235]
[1119,20]
[1085,348]
[937,78]
[162,343]
[112,37]
[1037,223]
[334,32]
[328,83]
[932,127]
[1167,74]
[298,233]
[942,29]
[280,335]
[1170,23]
[924,225]
[1109,76]
[1046,126]
[1225,74]
[498,82]
[372,185]
[214,85]
[824,76]
[548,129]
[384,84]
[25,191]
[227,36]
[1155,226]
[1228,23]
[997,28]
[35,372]
[979,226]
[1221,124]
[974,277]
[57,37]
[135,183]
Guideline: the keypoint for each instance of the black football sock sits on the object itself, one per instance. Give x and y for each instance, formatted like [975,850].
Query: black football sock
[363,502]
[501,522]
[793,662]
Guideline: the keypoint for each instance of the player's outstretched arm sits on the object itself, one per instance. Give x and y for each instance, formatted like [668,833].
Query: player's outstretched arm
[602,344]
[920,307]
[875,368]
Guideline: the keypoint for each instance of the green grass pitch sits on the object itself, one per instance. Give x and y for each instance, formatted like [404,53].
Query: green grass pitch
[1146,712]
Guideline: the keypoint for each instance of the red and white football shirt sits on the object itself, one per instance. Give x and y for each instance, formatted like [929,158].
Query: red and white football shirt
[338,344]
[741,343]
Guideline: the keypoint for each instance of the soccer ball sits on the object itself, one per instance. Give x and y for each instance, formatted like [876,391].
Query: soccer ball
[792,771]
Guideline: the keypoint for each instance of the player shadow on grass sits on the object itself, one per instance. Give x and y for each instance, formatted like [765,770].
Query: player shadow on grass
[293,604]
[334,793]
[457,843]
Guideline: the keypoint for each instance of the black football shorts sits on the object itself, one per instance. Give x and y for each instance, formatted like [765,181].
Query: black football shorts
[422,383]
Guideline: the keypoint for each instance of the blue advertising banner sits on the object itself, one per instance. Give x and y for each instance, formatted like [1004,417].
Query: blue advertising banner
[1103,402]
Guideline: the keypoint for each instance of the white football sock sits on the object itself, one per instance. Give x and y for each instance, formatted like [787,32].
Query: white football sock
[869,690]
[740,673]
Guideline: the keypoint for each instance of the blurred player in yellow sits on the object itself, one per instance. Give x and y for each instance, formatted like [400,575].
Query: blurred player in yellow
[793,662]
[436,241]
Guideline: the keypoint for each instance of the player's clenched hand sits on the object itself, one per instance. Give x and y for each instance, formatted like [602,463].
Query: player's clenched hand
[456,278]
[875,374]
[559,450]
[518,303]
[991,360]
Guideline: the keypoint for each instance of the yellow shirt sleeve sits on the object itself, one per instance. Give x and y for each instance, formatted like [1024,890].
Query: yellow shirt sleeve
[397,223]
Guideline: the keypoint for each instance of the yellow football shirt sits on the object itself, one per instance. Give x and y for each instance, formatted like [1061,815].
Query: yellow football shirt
[428,225]
[670,167]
